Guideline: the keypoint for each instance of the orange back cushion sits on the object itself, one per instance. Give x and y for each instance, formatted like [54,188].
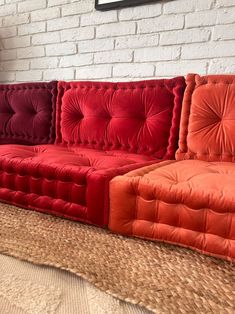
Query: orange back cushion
[207,130]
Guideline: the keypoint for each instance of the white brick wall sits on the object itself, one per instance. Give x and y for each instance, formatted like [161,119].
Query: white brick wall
[70,40]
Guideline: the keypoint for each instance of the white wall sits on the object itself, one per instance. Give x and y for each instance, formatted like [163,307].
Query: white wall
[68,39]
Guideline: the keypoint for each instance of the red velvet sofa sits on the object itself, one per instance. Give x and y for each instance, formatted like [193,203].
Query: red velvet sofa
[102,130]
[189,201]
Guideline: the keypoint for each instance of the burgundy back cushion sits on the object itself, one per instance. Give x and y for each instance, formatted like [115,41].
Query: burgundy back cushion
[27,113]
[139,117]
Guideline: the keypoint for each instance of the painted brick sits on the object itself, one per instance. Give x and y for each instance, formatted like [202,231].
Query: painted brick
[61,49]
[52,3]
[95,45]
[94,72]
[218,66]
[224,3]
[199,19]
[32,28]
[226,16]
[10,1]
[180,67]
[157,54]
[133,70]
[14,65]
[24,76]
[30,52]
[62,23]
[97,17]
[46,38]
[223,32]
[81,33]
[7,77]
[16,19]
[115,56]
[45,14]
[7,32]
[58,74]
[201,5]
[76,60]
[29,5]
[161,23]
[182,6]
[185,36]
[116,29]
[185,6]
[209,50]
[44,63]
[77,8]
[8,54]
[16,42]
[137,41]
[140,12]
[8,9]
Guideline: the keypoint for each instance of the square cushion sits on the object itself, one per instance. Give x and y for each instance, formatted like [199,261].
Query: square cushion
[27,113]
[188,202]
[137,117]
[207,129]
[69,182]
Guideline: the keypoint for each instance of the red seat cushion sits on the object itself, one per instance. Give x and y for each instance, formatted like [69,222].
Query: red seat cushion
[137,117]
[27,113]
[189,202]
[208,116]
[70,182]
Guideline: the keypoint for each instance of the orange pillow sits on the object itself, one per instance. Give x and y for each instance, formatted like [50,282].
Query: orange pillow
[207,129]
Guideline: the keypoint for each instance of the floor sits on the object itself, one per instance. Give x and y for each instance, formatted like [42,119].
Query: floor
[27,288]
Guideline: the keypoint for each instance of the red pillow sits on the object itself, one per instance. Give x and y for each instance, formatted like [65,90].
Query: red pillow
[138,117]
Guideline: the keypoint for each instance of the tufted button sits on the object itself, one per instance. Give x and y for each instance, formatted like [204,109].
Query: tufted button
[34,111]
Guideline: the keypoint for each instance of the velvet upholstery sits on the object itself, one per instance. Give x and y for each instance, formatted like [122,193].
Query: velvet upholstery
[207,127]
[103,130]
[69,182]
[191,201]
[27,113]
[188,202]
[138,117]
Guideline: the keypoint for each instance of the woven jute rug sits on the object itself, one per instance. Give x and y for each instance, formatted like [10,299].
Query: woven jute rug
[162,278]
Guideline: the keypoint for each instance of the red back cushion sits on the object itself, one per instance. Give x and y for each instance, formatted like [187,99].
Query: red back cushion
[138,117]
[27,113]
[207,130]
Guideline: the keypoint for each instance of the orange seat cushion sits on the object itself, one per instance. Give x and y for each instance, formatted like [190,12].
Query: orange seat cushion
[189,202]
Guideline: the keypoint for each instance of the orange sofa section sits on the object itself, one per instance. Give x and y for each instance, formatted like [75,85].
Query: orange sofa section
[189,201]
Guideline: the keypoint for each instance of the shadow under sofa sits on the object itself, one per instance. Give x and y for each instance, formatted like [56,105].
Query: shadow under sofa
[189,201]
[102,130]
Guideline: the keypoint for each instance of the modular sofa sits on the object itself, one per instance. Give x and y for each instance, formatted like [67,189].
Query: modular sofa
[189,201]
[102,130]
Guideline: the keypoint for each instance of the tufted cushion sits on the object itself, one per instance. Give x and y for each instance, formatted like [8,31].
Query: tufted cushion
[69,182]
[207,129]
[188,202]
[27,113]
[138,117]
